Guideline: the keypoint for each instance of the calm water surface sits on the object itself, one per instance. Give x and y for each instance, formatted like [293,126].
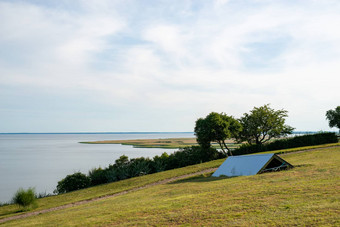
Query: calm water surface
[41,160]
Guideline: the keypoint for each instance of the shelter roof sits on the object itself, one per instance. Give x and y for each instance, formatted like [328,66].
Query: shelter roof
[245,165]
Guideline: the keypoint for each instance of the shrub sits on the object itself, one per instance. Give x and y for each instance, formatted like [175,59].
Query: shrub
[140,166]
[111,175]
[26,199]
[120,170]
[125,168]
[73,182]
[97,176]
[297,141]
[159,163]
[192,155]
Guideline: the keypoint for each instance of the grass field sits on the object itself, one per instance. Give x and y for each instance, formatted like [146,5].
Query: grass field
[160,143]
[107,189]
[306,195]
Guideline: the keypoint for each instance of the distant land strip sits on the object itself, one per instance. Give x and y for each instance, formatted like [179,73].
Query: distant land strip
[170,143]
[151,143]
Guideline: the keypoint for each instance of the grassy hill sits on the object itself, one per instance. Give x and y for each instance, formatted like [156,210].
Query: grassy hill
[306,195]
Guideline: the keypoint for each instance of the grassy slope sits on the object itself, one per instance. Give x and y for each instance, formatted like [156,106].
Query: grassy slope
[305,195]
[108,189]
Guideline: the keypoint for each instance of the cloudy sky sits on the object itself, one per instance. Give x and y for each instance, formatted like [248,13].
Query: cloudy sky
[147,65]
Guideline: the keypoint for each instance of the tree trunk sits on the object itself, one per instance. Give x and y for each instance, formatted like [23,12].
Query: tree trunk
[257,141]
[219,142]
[227,148]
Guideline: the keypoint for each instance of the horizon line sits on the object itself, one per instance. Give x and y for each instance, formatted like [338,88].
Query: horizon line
[131,132]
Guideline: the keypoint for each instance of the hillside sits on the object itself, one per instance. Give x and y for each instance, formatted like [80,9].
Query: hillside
[306,195]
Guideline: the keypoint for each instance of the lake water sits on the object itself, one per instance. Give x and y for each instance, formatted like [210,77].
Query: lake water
[41,160]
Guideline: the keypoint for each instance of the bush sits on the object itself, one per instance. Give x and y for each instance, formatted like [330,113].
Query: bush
[192,155]
[140,166]
[297,141]
[25,198]
[73,182]
[97,176]
[111,175]
[160,162]
[125,168]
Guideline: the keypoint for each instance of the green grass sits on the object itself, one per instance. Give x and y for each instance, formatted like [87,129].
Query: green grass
[306,195]
[107,189]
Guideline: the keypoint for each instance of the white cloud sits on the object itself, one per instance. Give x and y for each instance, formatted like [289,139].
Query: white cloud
[53,44]
[227,56]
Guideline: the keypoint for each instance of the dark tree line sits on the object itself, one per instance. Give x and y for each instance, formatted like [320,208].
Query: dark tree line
[125,168]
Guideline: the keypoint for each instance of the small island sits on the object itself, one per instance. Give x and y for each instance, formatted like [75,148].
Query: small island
[170,143]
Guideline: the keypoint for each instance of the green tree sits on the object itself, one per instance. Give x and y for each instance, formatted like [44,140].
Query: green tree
[262,124]
[73,182]
[216,128]
[333,116]
[160,162]
[25,198]
[97,176]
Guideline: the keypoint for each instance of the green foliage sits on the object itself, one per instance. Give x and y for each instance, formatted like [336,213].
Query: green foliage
[159,162]
[26,199]
[216,127]
[333,116]
[97,176]
[192,155]
[73,182]
[140,166]
[262,124]
[122,162]
[110,188]
[125,168]
[203,132]
[297,141]
[303,196]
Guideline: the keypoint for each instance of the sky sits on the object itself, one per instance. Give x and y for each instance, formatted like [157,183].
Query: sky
[158,66]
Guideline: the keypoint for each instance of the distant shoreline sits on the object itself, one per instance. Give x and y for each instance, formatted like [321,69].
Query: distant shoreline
[72,133]
[12,133]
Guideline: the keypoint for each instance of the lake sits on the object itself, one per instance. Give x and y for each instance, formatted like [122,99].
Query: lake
[41,160]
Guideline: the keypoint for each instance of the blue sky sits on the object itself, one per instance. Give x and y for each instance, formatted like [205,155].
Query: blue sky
[82,66]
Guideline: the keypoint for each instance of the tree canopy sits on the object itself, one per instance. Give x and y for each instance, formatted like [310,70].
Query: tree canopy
[216,128]
[333,116]
[262,124]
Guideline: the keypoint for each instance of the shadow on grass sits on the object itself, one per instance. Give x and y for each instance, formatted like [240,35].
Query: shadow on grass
[208,178]
[201,178]
[18,209]
[11,212]
[302,165]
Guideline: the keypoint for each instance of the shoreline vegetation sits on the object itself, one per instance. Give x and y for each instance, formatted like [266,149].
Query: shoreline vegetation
[168,143]
[265,198]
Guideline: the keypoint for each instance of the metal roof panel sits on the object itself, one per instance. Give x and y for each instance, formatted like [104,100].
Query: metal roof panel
[243,165]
